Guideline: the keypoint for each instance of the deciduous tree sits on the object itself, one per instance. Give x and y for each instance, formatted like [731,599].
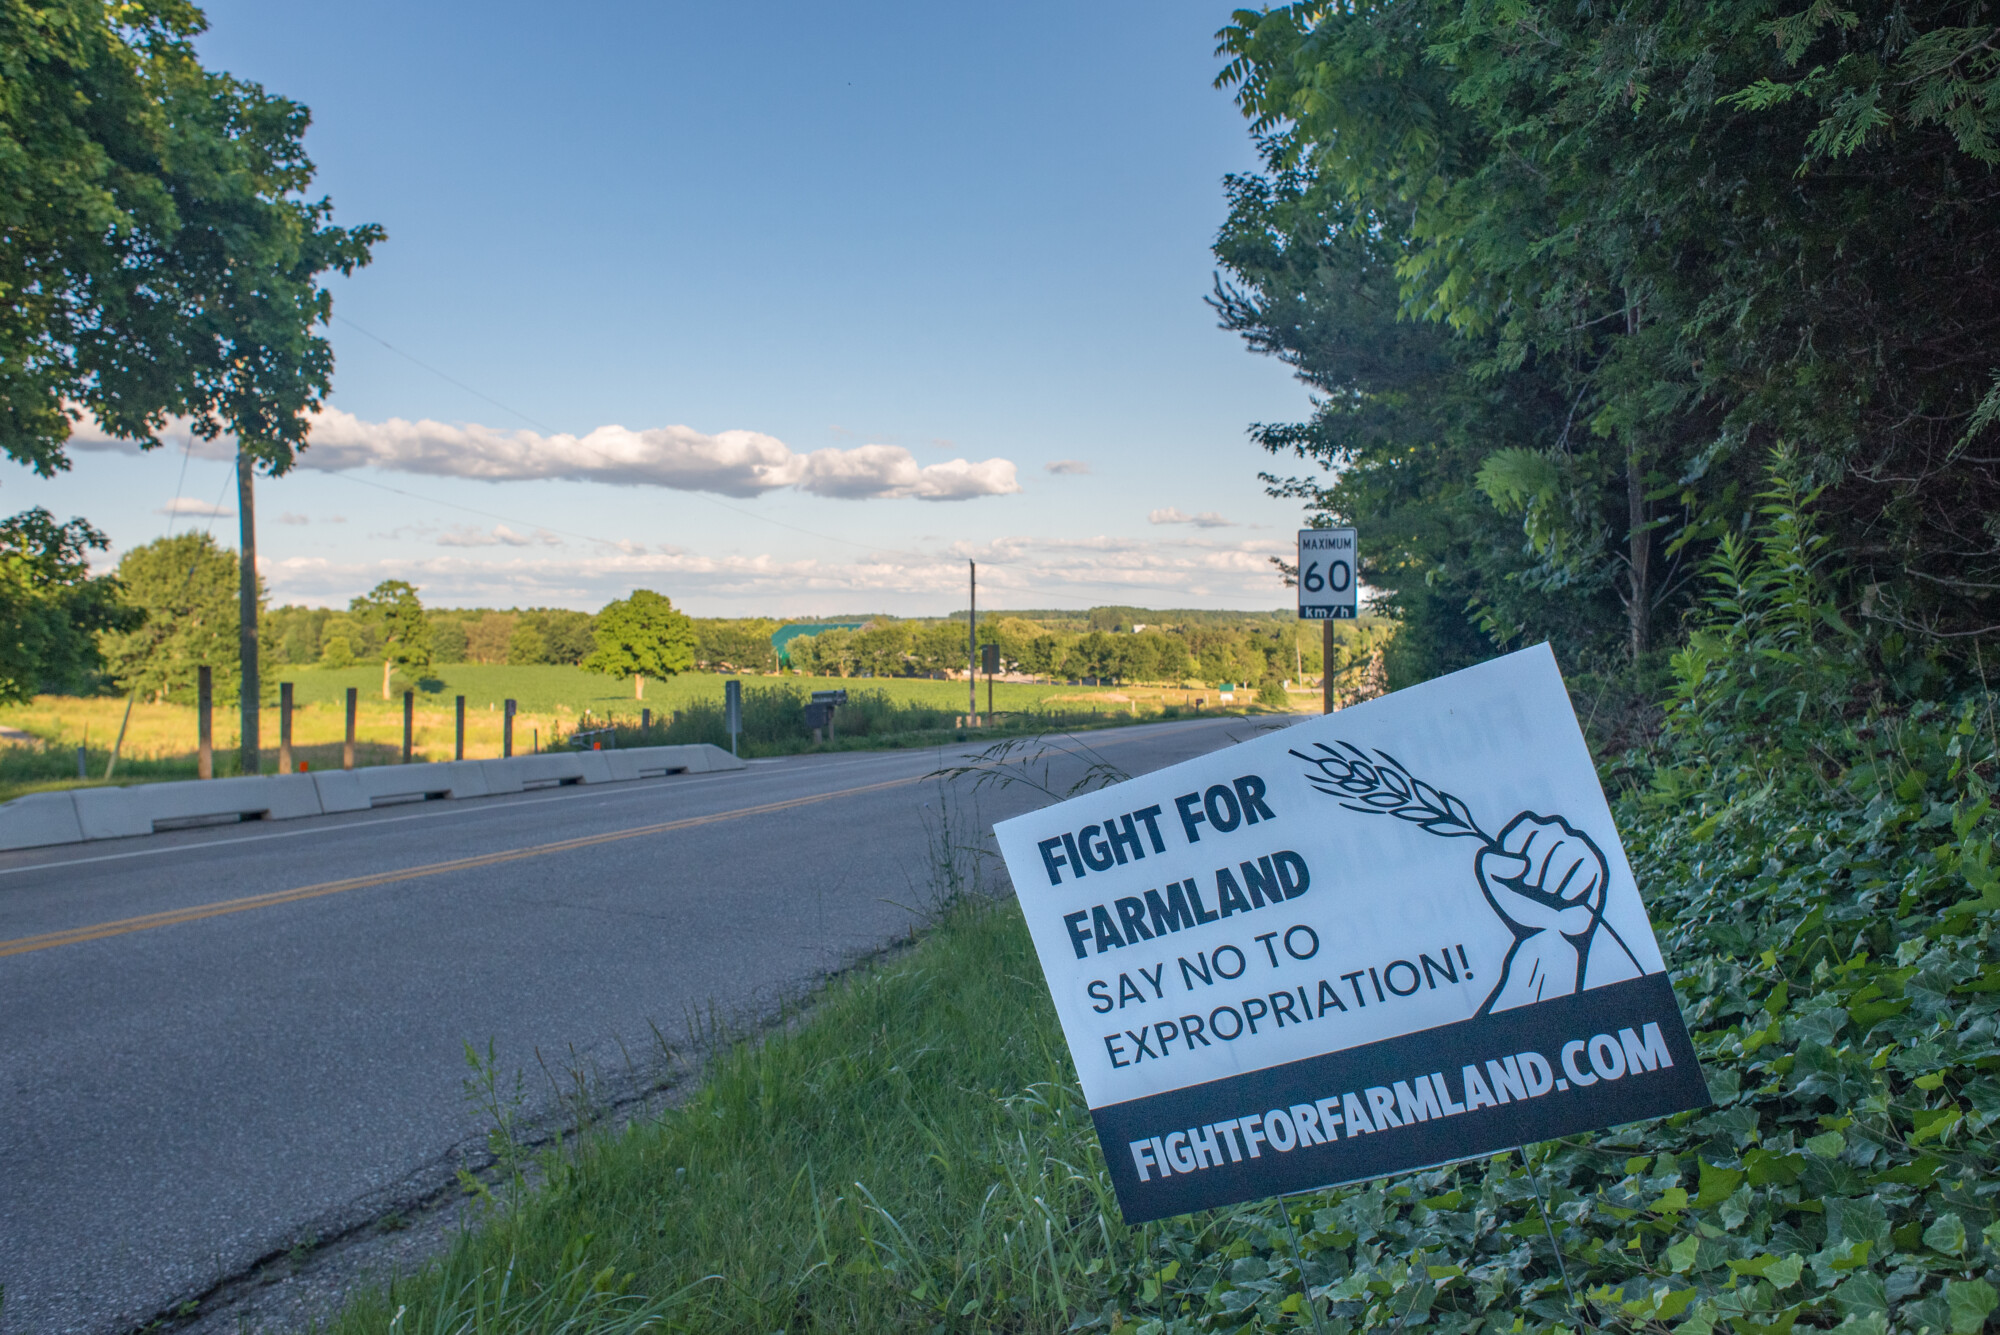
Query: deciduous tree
[51,607]
[487,637]
[527,646]
[184,591]
[392,611]
[162,257]
[1577,266]
[643,635]
[727,645]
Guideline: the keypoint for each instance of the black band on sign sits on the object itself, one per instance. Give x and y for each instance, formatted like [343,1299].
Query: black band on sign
[1593,1059]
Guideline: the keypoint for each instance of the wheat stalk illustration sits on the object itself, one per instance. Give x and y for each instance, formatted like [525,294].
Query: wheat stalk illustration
[1380,785]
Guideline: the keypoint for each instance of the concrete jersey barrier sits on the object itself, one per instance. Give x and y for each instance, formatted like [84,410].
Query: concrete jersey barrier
[82,814]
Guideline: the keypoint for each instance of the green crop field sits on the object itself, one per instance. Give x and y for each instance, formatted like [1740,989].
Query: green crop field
[556,690]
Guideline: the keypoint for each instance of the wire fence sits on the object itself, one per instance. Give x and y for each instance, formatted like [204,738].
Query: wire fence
[774,722]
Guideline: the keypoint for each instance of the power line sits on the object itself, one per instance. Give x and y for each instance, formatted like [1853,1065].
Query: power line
[173,506]
[471,510]
[442,376]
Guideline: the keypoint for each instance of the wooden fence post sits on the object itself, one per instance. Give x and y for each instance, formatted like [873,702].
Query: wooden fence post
[347,751]
[205,722]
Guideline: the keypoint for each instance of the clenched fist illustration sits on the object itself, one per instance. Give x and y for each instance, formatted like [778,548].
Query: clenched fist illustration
[1542,875]
[1546,880]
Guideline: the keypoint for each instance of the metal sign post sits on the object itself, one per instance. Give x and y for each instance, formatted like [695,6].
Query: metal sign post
[732,710]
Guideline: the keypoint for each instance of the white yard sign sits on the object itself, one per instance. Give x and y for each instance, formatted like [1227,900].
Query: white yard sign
[1329,589]
[1393,936]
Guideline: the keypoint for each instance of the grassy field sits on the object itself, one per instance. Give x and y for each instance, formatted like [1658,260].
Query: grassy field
[553,702]
[558,691]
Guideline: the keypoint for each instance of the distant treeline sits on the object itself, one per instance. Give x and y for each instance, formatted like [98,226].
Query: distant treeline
[516,635]
[171,608]
[176,611]
[1257,649]
[1251,648]
[1113,617]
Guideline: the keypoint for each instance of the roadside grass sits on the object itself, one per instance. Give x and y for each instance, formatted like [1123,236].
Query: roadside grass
[42,767]
[909,1153]
[773,721]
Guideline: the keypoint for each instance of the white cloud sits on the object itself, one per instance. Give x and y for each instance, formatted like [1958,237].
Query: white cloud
[1067,467]
[1172,515]
[471,535]
[732,463]
[289,518]
[889,470]
[187,506]
[1013,572]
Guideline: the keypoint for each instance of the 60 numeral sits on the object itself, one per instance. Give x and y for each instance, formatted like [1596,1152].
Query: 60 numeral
[1339,577]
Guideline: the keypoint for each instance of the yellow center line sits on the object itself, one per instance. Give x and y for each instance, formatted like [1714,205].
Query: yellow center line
[193,913]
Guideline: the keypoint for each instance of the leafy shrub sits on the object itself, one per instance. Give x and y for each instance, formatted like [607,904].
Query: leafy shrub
[775,716]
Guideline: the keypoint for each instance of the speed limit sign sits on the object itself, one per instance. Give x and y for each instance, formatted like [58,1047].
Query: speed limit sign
[1327,583]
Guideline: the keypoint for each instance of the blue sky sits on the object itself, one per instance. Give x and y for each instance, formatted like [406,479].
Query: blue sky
[946,232]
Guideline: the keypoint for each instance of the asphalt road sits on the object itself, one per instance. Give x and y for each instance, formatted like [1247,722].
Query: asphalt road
[217,1044]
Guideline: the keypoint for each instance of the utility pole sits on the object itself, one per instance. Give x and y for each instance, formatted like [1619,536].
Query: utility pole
[972,645]
[246,606]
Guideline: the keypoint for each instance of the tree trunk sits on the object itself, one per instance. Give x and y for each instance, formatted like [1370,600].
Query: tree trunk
[246,608]
[1639,603]
[1639,609]
[388,671]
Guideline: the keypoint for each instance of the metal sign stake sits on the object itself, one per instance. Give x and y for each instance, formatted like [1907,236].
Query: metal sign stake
[1535,1181]
[1299,1259]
